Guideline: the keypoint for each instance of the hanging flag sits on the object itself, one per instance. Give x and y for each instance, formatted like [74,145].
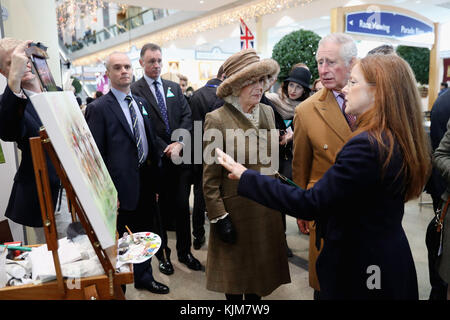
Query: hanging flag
[247,38]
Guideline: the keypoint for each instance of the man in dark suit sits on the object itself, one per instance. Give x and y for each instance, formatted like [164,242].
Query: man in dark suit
[123,132]
[171,111]
[202,101]
[19,122]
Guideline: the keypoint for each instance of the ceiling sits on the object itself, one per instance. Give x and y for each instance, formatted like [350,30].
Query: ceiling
[184,5]
[436,10]
[314,16]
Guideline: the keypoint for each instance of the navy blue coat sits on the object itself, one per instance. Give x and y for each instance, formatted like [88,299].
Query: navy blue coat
[363,215]
[117,145]
[178,110]
[19,122]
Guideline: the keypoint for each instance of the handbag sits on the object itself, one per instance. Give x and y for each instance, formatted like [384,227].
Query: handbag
[440,213]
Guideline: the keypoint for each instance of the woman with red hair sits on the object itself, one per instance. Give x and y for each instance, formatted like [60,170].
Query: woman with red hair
[361,198]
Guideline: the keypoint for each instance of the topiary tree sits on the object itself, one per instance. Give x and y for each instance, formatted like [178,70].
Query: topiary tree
[77,85]
[297,46]
[418,59]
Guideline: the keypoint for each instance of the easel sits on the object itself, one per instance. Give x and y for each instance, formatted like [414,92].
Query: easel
[106,286]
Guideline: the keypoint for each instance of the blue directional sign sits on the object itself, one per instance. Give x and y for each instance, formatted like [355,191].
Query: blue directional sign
[388,24]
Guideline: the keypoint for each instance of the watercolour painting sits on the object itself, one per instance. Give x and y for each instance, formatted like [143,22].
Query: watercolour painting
[81,159]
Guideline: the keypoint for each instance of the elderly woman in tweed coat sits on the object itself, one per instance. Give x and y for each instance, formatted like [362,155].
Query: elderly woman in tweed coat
[247,248]
[441,159]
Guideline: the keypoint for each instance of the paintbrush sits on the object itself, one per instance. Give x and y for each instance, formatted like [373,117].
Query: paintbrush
[132,236]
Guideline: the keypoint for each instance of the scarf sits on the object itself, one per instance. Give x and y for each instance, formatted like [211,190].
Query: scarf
[253,116]
[284,106]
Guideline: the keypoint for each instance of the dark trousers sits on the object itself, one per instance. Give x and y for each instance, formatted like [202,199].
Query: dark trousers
[174,199]
[198,214]
[140,220]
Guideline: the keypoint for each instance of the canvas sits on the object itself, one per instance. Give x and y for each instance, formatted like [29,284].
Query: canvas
[81,159]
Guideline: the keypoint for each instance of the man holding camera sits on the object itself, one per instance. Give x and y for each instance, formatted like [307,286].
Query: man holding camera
[19,122]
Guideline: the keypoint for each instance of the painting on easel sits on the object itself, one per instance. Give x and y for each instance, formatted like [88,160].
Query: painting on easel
[81,159]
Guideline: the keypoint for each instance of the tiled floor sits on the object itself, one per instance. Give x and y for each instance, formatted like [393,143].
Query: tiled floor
[191,285]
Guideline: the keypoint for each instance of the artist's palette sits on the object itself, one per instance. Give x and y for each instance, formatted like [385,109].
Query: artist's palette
[141,247]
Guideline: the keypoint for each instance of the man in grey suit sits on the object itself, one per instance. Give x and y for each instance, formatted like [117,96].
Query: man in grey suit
[170,111]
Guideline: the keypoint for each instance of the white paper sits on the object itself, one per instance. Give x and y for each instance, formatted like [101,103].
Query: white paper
[3,277]
[77,259]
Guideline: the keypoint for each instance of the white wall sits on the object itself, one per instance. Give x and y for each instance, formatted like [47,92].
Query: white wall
[7,172]
[35,20]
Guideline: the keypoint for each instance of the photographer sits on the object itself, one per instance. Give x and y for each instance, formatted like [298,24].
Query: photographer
[19,122]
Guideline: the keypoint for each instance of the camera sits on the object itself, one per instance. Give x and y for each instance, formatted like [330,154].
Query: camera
[37,53]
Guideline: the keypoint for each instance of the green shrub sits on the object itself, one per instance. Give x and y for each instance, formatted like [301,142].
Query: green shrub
[418,59]
[297,46]
[77,85]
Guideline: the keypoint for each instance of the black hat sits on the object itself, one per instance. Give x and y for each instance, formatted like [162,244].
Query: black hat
[300,75]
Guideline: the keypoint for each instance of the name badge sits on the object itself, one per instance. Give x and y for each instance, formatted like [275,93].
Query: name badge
[170,93]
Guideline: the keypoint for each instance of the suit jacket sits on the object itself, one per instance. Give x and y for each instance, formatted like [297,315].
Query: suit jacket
[178,110]
[205,100]
[19,122]
[364,232]
[117,145]
[264,267]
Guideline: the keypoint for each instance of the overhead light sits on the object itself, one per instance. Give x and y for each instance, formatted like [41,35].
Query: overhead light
[201,1]
[284,21]
[325,17]
[200,40]
[352,3]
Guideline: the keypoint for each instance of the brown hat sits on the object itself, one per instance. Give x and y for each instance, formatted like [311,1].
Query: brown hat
[244,68]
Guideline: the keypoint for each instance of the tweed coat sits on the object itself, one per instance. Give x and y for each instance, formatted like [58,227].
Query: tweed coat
[257,262]
[320,131]
[441,159]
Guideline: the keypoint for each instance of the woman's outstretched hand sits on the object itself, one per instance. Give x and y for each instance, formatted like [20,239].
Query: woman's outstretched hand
[228,163]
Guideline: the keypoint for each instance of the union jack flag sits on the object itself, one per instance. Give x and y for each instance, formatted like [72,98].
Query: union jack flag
[247,38]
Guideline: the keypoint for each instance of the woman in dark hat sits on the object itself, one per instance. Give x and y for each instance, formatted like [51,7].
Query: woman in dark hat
[247,247]
[293,90]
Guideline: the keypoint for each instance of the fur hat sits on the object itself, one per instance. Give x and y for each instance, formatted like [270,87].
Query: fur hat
[244,68]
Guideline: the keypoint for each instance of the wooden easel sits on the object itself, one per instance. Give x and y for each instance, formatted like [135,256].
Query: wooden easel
[106,286]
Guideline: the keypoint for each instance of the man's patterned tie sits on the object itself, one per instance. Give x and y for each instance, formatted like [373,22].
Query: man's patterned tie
[136,132]
[351,120]
[162,107]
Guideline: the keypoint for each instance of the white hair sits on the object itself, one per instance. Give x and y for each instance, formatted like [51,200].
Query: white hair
[348,50]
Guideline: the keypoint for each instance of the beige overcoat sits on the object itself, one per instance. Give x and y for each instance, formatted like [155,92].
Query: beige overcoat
[257,262]
[320,131]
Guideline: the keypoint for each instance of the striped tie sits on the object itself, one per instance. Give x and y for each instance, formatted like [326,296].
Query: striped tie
[351,120]
[136,132]
[162,107]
